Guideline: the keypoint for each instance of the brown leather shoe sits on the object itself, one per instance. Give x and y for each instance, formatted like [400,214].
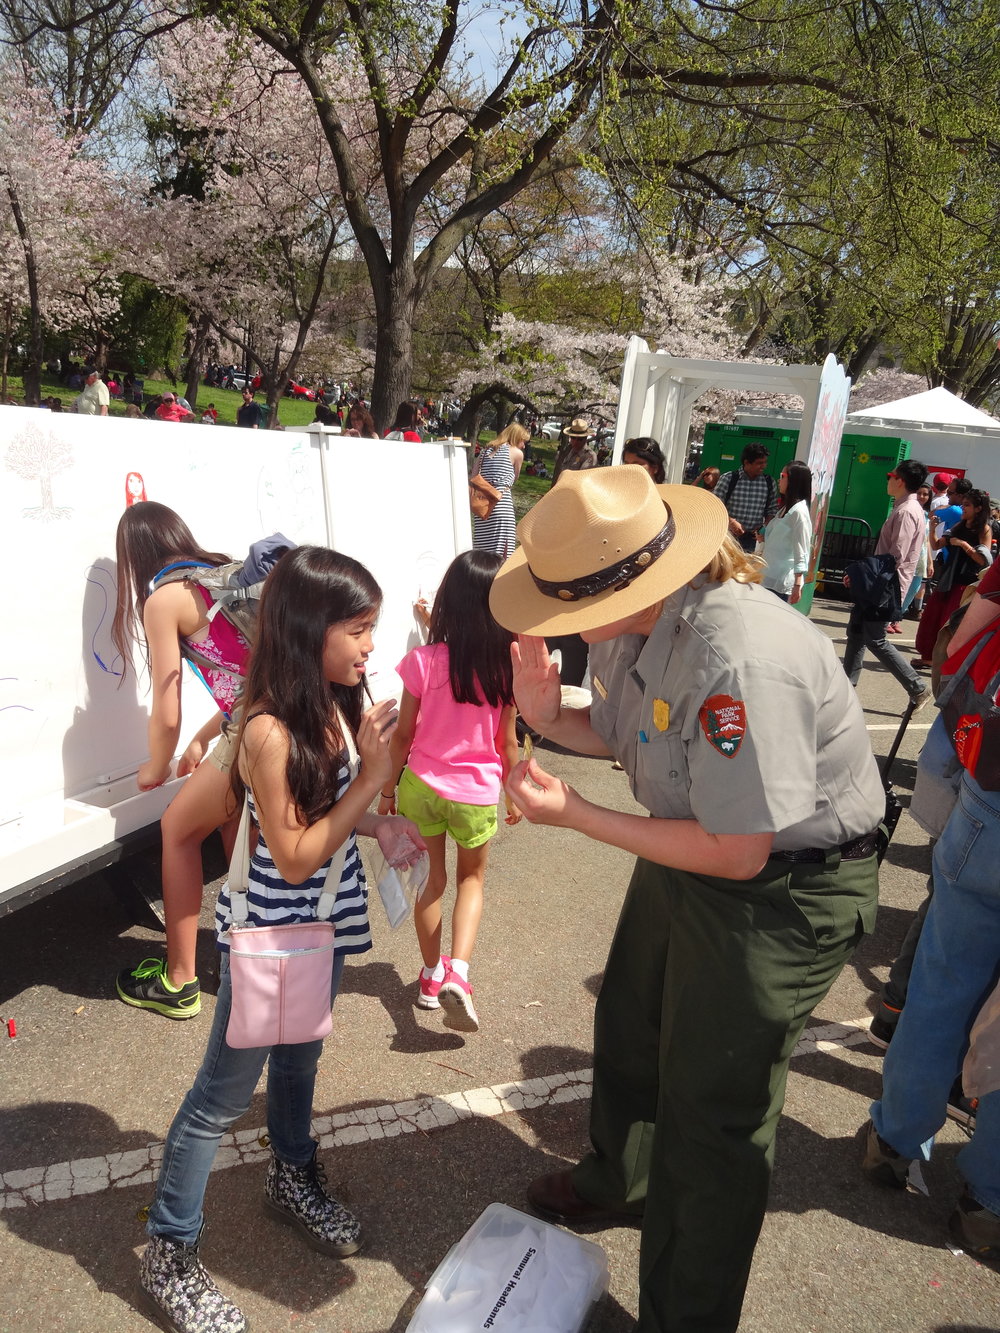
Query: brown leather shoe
[555,1198]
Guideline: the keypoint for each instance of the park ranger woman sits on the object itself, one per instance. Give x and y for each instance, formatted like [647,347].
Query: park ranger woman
[756,875]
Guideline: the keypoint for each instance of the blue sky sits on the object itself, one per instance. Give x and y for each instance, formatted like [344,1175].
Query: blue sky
[489,33]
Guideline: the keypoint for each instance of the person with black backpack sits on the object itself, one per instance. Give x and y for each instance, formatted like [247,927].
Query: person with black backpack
[750,496]
[169,592]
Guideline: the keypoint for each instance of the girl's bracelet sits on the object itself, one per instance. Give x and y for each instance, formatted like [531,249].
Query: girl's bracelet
[387,796]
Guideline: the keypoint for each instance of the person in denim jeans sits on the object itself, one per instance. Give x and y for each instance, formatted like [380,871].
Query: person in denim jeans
[956,967]
[308,796]
[221,1093]
[902,536]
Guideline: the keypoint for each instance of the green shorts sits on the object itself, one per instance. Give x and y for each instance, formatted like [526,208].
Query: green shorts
[469,825]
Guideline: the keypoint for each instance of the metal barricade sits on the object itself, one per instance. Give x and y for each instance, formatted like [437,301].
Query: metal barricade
[845,539]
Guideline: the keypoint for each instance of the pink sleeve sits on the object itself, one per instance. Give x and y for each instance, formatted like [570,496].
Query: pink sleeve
[413,671]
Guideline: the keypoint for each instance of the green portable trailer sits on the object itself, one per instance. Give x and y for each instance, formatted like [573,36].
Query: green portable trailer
[723,446]
[859,501]
[859,487]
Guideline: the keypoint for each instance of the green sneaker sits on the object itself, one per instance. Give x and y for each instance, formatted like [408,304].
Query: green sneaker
[146,987]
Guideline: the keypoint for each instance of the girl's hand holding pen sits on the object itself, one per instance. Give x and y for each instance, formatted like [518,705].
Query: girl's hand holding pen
[377,725]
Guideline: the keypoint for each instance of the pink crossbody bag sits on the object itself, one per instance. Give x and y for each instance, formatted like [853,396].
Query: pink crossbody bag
[281,975]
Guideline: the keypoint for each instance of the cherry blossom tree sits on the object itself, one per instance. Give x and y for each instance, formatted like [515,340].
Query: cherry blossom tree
[885,386]
[63,221]
[252,255]
[443,152]
[687,312]
[540,365]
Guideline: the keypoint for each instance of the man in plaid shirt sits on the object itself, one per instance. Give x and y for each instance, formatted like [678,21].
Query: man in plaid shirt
[750,496]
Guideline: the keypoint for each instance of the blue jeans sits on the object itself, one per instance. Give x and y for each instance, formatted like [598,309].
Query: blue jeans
[955,969]
[221,1094]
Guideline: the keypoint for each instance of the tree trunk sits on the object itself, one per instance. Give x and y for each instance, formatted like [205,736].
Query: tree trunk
[395,307]
[102,347]
[35,349]
[8,324]
[196,361]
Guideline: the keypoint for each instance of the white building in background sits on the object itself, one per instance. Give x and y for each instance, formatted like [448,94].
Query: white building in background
[944,431]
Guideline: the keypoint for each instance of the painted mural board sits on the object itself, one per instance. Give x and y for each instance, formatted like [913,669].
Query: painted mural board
[822,457]
[72,721]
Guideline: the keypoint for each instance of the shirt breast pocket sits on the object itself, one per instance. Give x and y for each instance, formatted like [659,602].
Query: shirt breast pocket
[661,776]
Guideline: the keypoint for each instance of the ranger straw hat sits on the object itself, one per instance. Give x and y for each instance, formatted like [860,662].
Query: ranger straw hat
[604,544]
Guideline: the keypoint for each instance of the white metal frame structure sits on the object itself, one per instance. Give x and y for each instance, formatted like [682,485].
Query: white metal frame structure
[658,392]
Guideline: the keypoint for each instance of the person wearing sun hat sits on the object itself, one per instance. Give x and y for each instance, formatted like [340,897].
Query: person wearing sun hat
[756,874]
[574,453]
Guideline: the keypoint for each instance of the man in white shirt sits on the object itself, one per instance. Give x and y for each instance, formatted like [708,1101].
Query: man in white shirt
[95,398]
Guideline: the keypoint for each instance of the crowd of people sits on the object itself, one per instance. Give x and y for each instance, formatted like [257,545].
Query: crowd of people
[756,870]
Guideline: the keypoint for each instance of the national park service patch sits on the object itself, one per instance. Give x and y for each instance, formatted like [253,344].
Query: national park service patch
[724,721]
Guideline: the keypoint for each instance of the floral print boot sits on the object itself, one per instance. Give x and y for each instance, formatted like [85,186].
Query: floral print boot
[182,1296]
[296,1195]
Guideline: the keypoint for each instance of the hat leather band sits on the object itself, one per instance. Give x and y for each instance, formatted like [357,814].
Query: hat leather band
[618,576]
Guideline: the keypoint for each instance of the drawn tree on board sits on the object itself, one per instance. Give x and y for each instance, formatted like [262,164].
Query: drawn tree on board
[38,455]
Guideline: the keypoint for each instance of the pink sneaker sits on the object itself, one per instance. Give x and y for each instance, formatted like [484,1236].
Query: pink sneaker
[455,996]
[894,628]
[429,990]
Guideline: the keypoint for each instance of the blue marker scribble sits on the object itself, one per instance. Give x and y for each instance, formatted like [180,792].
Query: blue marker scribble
[7,707]
[117,660]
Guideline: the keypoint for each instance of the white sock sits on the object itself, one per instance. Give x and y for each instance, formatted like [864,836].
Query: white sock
[433,973]
[460,966]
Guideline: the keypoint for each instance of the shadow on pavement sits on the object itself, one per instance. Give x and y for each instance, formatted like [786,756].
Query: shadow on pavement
[416,1195]
[382,982]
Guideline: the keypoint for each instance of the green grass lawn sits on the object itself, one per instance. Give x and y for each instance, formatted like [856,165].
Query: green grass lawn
[527,490]
[291,411]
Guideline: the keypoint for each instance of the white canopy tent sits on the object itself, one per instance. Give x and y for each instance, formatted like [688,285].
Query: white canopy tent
[934,407]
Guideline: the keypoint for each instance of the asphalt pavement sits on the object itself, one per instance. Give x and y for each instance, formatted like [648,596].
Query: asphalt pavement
[421,1128]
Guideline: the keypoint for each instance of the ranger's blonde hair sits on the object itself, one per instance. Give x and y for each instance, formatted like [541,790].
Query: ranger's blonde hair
[732,562]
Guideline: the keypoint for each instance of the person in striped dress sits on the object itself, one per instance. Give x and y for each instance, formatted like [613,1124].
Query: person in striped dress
[297,762]
[499,463]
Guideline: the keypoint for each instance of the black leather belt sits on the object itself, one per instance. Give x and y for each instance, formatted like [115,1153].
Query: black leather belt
[858,849]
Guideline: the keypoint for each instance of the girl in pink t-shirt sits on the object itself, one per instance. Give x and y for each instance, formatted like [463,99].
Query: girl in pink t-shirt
[452,750]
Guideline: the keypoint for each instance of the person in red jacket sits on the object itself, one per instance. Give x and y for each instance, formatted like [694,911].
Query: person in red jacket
[171,410]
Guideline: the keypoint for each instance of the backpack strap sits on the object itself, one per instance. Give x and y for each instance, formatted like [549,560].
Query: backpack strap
[171,573]
[224,599]
[730,487]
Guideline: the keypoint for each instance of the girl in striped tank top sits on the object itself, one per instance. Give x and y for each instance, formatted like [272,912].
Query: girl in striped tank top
[303,695]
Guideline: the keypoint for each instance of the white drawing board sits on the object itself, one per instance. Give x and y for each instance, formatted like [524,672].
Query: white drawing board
[72,732]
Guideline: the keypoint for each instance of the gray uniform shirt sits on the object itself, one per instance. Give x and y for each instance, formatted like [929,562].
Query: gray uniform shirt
[736,712]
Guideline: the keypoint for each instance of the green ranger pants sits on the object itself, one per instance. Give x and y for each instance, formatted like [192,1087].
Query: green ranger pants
[708,987]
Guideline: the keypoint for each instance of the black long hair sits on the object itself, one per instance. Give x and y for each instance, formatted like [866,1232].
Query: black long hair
[646,449]
[980,500]
[800,485]
[149,537]
[309,589]
[478,648]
